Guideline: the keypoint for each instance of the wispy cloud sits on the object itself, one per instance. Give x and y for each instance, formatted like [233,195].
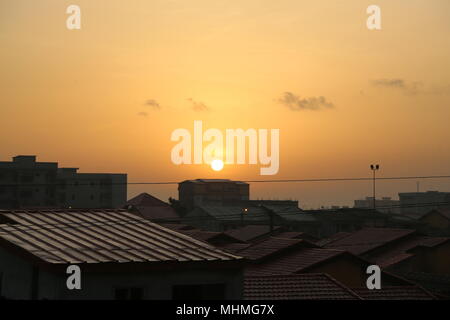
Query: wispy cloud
[296,103]
[410,87]
[152,103]
[198,106]
[390,83]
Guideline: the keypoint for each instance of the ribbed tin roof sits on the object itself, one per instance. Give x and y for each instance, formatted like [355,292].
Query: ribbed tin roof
[95,236]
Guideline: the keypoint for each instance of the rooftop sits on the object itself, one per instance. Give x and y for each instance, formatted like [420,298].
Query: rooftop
[296,287]
[292,262]
[395,293]
[367,239]
[204,181]
[99,236]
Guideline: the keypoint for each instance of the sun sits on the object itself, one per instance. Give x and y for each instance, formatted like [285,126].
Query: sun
[217,165]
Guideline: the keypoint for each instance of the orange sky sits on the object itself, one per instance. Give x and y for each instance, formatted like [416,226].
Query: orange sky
[79,97]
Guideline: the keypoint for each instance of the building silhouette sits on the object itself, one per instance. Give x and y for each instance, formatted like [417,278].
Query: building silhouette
[26,183]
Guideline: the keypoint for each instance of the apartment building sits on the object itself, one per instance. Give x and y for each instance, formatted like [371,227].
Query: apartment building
[27,183]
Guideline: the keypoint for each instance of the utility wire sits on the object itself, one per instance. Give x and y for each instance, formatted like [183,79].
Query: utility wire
[24,184]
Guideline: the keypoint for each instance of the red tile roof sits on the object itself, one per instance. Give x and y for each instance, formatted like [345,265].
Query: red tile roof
[296,287]
[334,237]
[211,237]
[292,262]
[367,239]
[271,246]
[146,200]
[402,250]
[152,208]
[251,232]
[296,235]
[395,293]
[158,213]
[98,236]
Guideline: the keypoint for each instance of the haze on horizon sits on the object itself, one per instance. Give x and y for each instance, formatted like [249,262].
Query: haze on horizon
[107,97]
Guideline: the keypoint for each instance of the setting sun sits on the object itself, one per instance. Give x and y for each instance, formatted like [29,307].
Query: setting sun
[217,165]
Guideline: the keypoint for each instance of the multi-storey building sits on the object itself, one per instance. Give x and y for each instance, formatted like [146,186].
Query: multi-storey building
[423,202]
[26,183]
[192,193]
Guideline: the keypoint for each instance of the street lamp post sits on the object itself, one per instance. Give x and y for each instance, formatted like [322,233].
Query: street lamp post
[374,168]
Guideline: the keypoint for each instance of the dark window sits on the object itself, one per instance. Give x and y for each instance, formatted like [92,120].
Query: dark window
[92,197]
[199,292]
[128,293]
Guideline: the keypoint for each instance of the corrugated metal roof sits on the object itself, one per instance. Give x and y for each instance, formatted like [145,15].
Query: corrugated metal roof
[95,236]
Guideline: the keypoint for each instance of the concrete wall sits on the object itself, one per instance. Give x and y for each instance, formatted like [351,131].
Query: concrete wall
[17,281]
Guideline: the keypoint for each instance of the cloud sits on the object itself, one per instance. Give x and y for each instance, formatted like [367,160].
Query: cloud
[198,106]
[152,103]
[296,103]
[407,87]
[142,114]
[391,83]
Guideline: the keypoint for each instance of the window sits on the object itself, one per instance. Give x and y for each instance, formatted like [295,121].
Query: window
[128,293]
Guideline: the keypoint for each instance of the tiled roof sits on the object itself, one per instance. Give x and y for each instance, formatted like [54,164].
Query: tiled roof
[367,239]
[146,200]
[152,208]
[158,213]
[402,249]
[395,293]
[435,282]
[251,232]
[296,287]
[211,237]
[271,246]
[97,236]
[334,237]
[292,262]
[297,235]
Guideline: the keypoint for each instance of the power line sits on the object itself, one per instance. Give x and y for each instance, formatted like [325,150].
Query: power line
[247,181]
